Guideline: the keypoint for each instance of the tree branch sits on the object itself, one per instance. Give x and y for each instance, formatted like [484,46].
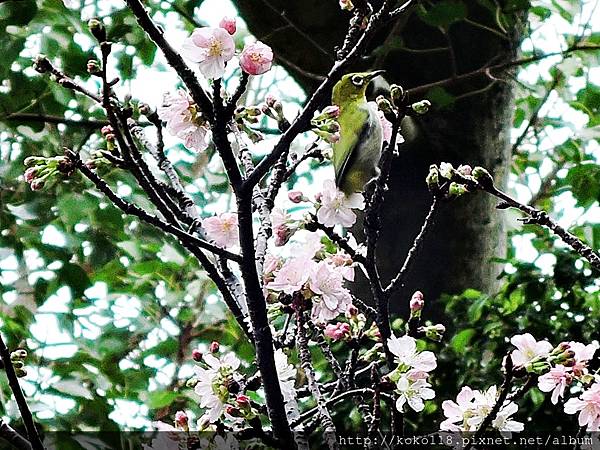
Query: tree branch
[13,382]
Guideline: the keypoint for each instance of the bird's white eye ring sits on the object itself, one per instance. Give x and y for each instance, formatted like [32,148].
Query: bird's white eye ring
[357,80]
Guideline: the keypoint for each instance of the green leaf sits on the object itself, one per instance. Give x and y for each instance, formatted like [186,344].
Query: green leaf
[585,184]
[461,340]
[160,399]
[444,13]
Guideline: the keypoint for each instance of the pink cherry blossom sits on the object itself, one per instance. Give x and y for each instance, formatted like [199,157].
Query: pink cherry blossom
[556,380]
[222,229]
[292,276]
[228,24]
[184,121]
[333,298]
[343,263]
[211,48]
[337,331]
[588,406]
[256,58]
[336,207]
[528,349]
[279,223]
[583,354]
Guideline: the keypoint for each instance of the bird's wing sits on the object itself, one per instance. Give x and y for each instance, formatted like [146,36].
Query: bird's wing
[350,136]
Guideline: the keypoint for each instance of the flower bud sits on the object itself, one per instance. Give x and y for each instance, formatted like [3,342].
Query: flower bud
[483,177]
[37,185]
[456,189]
[373,332]
[465,170]
[97,29]
[446,170]
[196,355]
[19,354]
[243,401]
[144,109]
[351,312]
[191,383]
[331,111]
[93,67]
[346,5]
[213,347]
[181,419]
[433,178]
[228,24]
[417,302]
[421,107]
[18,364]
[337,331]
[270,100]
[296,196]
[397,94]
[31,173]
[232,411]
[433,332]
[384,104]
[20,372]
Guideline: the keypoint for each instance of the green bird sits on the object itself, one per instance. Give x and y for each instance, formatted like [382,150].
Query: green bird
[356,154]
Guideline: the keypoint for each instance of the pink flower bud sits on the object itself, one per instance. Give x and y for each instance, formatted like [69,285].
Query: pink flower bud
[30,174]
[36,185]
[181,419]
[417,302]
[228,24]
[213,347]
[231,410]
[331,111]
[256,58]
[196,355]
[333,138]
[346,5]
[106,129]
[338,331]
[352,311]
[464,169]
[270,100]
[282,235]
[242,400]
[318,196]
[296,196]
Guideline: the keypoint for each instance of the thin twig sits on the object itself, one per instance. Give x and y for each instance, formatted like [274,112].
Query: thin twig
[306,363]
[398,281]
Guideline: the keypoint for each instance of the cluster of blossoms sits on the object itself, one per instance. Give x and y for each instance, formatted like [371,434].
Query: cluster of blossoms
[558,368]
[412,372]
[219,386]
[211,48]
[473,406]
[313,275]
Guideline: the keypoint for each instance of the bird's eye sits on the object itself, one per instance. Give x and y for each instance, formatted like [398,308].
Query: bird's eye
[357,80]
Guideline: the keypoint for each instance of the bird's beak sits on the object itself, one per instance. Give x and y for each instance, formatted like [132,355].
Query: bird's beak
[375,74]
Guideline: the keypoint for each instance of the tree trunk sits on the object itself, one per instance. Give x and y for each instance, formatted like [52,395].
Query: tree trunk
[468,232]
